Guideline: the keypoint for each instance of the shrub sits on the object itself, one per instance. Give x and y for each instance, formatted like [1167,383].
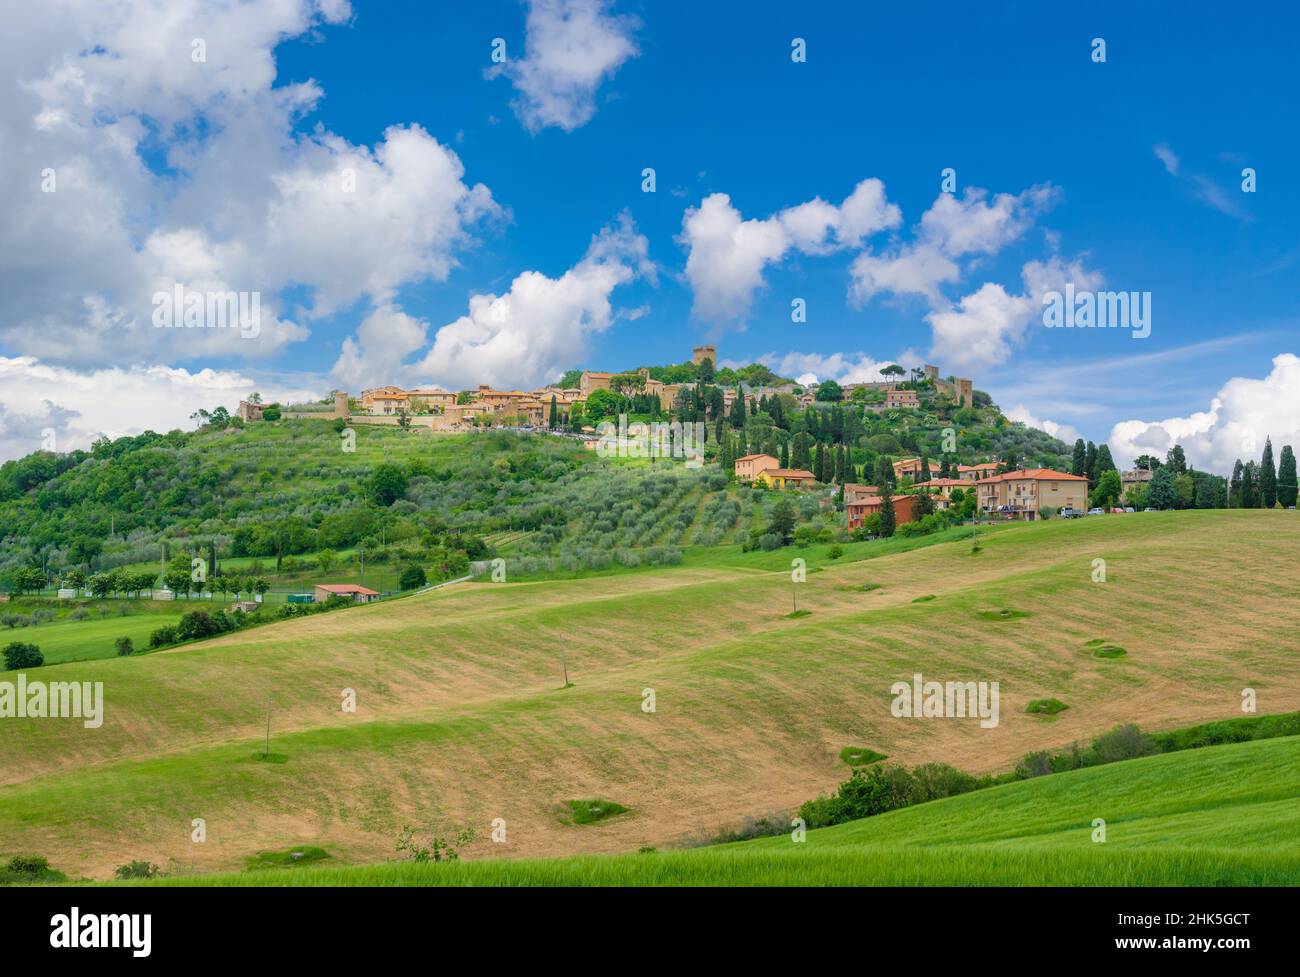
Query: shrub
[21,654]
[1034,765]
[27,869]
[136,870]
[197,624]
[412,578]
[1123,743]
[835,552]
[124,646]
[936,780]
[165,635]
[769,541]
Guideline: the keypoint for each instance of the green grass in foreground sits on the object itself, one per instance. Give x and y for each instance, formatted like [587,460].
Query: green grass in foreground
[1223,815]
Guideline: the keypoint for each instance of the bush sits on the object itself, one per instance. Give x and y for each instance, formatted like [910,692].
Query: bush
[197,624]
[769,541]
[21,654]
[136,870]
[936,780]
[124,646]
[835,552]
[1034,765]
[1123,743]
[412,578]
[28,869]
[165,635]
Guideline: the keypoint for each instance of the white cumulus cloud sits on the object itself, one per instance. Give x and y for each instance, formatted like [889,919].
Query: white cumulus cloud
[570,47]
[727,254]
[77,406]
[1239,418]
[524,338]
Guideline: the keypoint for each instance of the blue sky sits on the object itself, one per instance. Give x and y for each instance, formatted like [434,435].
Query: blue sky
[1126,173]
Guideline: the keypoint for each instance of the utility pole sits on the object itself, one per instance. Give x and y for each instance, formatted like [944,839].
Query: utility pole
[564,659]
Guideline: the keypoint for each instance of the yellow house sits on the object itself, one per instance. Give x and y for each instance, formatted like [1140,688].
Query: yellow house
[781,478]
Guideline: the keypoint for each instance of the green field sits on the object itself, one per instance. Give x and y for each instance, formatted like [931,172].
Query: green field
[1224,815]
[66,641]
[461,718]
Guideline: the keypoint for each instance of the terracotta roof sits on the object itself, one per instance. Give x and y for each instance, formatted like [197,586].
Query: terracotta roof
[789,473]
[752,457]
[1039,474]
[874,500]
[347,588]
[982,466]
[941,482]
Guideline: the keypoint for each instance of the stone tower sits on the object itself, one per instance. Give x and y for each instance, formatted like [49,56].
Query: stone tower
[701,353]
[341,404]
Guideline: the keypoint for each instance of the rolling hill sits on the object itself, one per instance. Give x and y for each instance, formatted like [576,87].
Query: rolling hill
[1169,821]
[461,717]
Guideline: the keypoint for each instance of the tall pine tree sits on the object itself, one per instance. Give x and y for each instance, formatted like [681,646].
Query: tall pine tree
[1286,478]
[1080,458]
[888,521]
[1234,487]
[1267,477]
[1090,465]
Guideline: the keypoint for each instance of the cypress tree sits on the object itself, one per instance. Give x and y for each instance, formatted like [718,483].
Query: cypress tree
[819,463]
[1104,463]
[1286,478]
[1090,465]
[888,521]
[1080,458]
[925,469]
[1234,487]
[1267,477]
[738,411]
[555,414]
[1249,486]
[785,454]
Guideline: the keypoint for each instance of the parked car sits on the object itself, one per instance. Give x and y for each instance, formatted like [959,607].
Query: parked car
[1117,510]
[1129,508]
[1097,511]
[1148,509]
[1069,512]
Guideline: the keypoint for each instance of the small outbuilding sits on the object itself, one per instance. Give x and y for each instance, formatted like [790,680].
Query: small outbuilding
[362,595]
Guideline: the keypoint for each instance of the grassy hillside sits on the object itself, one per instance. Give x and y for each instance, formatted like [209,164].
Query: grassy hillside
[1225,815]
[461,718]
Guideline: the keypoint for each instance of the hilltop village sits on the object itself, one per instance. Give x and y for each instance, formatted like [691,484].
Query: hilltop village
[775,433]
